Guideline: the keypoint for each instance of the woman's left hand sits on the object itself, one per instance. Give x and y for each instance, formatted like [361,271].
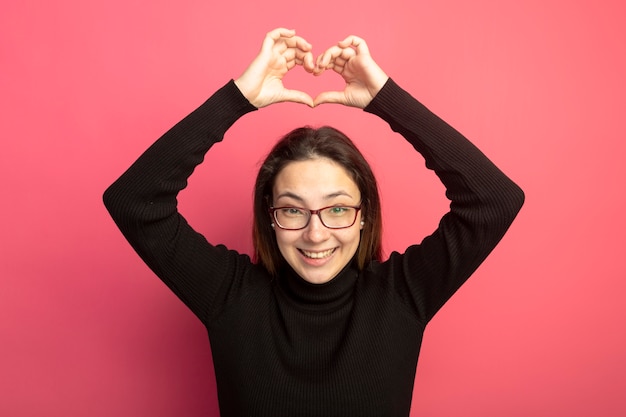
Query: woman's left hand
[352,60]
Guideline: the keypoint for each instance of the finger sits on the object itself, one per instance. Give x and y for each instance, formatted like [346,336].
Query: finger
[318,70]
[325,59]
[335,55]
[295,42]
[291,49]
[306,61]
[339,62]
[336,68]
[301,43]
[331,97]
[345,55]
[291,64]
[357,43]
[272,37]
[337,65]
[289,54]
[278,33]
[309,62]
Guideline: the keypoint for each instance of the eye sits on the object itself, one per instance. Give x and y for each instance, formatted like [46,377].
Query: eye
[338,211]
[292,212]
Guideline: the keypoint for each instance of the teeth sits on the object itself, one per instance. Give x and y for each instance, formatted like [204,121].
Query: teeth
[318,255]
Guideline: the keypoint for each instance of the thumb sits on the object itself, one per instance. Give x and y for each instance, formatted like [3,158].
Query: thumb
[297,96]
[331,97]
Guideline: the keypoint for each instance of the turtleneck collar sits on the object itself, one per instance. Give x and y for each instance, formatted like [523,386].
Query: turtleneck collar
[321,297]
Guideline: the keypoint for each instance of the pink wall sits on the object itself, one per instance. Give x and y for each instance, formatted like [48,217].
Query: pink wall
[86,329]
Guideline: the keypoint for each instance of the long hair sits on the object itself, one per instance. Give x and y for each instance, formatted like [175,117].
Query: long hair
[308,143]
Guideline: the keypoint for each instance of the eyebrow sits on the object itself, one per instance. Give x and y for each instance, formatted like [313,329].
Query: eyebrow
[330,196]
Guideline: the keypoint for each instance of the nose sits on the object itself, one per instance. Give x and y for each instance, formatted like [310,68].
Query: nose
[315,230]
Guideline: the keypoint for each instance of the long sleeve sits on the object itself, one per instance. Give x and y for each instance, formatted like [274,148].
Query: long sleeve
[143,204]
[343,348]
[484,202]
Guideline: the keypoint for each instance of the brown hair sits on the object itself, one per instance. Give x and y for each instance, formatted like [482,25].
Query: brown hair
[308,143]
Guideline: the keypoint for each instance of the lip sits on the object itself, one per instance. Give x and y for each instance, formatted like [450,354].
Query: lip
[318,254]
[317,258]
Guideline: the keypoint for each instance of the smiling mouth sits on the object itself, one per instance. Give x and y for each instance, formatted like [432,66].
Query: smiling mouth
[318,255]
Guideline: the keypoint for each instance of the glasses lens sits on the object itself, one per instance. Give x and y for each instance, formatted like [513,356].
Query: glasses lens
[292,217]
[337,217]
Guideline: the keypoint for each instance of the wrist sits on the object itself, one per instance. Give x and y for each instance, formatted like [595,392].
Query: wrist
[245,90]
[379,79]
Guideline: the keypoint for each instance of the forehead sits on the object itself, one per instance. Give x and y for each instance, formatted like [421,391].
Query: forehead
[314,179]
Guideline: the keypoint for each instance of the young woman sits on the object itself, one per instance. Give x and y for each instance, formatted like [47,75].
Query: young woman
[317,324]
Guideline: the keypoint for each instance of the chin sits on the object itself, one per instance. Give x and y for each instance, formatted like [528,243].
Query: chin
[317,277]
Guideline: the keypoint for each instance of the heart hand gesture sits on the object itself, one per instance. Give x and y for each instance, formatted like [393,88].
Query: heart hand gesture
[261,83]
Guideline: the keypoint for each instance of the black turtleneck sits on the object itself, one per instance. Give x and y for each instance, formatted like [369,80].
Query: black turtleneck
[318,297]
[283,346]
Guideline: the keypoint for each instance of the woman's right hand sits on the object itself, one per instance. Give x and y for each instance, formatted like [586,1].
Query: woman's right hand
[261,83]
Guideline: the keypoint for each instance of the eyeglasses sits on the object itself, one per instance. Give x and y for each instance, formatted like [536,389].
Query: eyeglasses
[296,218]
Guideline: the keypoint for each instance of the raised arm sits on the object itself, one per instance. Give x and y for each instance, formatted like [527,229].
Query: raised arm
[143,201]
[483,204]
[483,200]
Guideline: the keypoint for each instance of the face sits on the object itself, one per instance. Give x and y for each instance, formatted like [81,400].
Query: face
[316,252]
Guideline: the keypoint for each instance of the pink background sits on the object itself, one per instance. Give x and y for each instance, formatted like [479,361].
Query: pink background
[86,329]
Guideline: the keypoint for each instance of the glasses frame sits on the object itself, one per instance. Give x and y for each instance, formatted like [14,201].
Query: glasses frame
[273,210]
